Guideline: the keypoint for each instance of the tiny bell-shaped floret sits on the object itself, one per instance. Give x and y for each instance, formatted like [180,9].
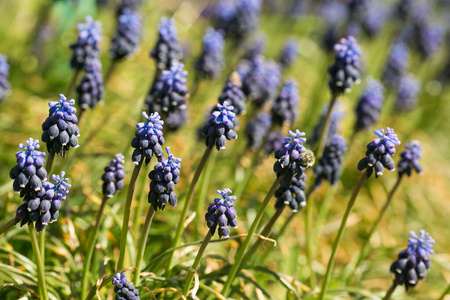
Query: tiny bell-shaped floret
[221,213]
[292,194]
[124,289]
[113,176]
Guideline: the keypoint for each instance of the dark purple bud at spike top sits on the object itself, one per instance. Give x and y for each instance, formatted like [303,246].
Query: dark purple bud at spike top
[210,62]
[380,151]
[219,127]
[4,83]
[285,108]
[87,46]
[123,288]
[113,176]
[167,50]
[413,262]
[163,179]
[62,114]
[90,90]
[369,106]
[148,139]
[222,213]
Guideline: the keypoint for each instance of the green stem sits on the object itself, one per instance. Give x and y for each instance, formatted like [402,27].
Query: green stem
[245,244]
[126,216]
[48,168]
[363,251]
[72,83]
[8,225]
[325,127]
[338,239]
[265,232]
[390,291]
[108,74]
[447,291]
[308,237]
[138,212]
[40,267]
[143,242]
[196,263]
[49,163]
[90,248]
[187,203]
[41,241]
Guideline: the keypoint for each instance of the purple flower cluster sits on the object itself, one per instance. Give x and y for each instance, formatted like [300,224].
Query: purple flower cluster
[289,53]
[375,18]
[414,261]
[128,35]
[163,179]
[407,92]
[167,50]
[292,194]
[29,173]
[219,127]
[260,80]
[124,289]
[336,115]
[60,130]
[87,46]
[410,159]
[169,92]
[113,176]
[256,47]
[148,139]
[275,141]
[379,152]
[329,166]
[257,129]
[430,39]
[4,73]
[346,70]
[176,119]
[222,213]
[90,91]
[210,62]
[128,5]
[369,105]
[42,206]
[396,65]
[285,108]
[233,94]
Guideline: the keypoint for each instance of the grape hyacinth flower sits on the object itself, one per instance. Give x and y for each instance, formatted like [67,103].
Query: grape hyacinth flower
[131,5]
[176,119]
[148,139]
[256,47]
[275,141]
[113,176]
[430,39]
[369,105]
[169,92]
[375,18]
[380,152]
[219,127]
[245,19]
[4,73]
[210,62]
[408,90]
[261,82]
[414,261]
[222,213]
[396,65]
[292,194]
[410,159]
[329,166]
[128,35]
[346,70]
[167,50]
[124,289]
[163,179]
[87,46]
[257,128]
[42,207]
[223,14]
[90,91]
[292,158]
[60,128]
[29,173]
[233,94]
[285,108]
[336,115]
[289,53]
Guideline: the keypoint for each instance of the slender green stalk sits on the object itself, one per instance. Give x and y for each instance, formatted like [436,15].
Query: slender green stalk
[187,285]
[325,127]
[8,225]
[49,162]
[245,244]
[126,216]
[40,267]
[90,248]
[41,241]
[187,203]
[72,83]
[265,232]
[143,242]
[110,71]
[48,168]
[390,291]
[447,291]
[363,251]
[338,239]
[140,207]
[308,239]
